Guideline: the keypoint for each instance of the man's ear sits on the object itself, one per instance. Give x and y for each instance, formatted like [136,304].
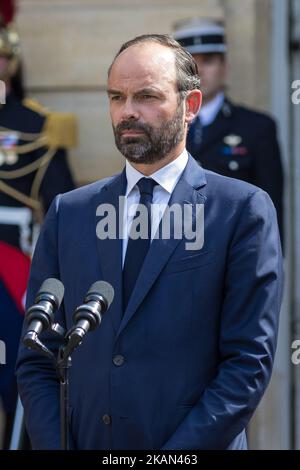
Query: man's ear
[193,103]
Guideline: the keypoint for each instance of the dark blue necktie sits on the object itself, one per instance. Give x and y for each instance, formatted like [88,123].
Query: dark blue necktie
[137,249]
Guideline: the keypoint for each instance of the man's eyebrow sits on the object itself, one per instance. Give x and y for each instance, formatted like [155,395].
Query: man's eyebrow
[110,91]
[148,90]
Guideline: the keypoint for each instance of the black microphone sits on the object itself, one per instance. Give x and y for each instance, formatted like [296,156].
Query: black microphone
[88,316]
[40,316]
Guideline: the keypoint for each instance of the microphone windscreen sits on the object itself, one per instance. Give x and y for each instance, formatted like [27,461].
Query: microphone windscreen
[54,287]
[103,288]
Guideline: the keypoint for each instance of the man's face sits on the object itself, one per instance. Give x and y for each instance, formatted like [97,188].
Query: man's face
[147,116]
[212,70]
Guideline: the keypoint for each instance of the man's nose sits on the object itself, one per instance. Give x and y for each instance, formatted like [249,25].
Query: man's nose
[130,110]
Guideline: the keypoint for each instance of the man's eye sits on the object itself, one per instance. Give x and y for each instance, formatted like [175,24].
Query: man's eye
[116,98]
[147,97]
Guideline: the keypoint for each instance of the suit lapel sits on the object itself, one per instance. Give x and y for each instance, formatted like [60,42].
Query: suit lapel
[110,249]
[160,250]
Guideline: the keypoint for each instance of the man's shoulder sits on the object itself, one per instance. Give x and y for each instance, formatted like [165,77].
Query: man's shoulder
[216,186]
[85,193]
[229,198]
[230,190]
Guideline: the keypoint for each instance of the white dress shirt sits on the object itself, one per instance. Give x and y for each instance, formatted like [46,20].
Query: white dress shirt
[166,177]
[208,112]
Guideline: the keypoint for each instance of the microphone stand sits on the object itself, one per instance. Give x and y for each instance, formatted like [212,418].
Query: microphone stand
[64,362]
[63,365]
[87,317]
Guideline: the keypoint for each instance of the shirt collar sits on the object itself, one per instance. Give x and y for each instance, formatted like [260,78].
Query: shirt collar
[208,112]
[167,176]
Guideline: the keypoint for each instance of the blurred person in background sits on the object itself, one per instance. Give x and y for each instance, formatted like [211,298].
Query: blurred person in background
[225,137]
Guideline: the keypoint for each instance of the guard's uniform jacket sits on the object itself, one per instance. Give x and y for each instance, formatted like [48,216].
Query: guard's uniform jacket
[242,144]
[33,170]
[33,165]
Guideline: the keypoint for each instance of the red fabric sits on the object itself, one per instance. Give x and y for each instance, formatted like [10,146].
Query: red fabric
[7,10]
[14,272]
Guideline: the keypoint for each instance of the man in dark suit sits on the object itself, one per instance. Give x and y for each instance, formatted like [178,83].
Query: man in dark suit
[227,138]
[184,355]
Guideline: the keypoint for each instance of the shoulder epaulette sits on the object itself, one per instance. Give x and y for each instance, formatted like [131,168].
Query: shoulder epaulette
[60,129]
[34,105]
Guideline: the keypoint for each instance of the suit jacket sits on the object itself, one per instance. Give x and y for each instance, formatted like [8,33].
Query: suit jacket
[186,364]
[241,143]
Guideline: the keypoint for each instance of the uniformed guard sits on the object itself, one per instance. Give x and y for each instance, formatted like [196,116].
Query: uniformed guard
[227,138]
[33,169]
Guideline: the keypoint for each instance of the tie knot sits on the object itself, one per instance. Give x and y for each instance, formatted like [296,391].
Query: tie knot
[146,185]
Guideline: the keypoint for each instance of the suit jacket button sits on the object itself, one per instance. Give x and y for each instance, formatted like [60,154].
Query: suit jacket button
[106,419]
[118,360]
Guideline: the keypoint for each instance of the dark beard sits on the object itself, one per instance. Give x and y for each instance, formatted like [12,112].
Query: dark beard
[155,143]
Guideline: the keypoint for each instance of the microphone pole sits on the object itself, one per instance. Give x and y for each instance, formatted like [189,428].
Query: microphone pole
[40,317]
[63,366]
[87,317]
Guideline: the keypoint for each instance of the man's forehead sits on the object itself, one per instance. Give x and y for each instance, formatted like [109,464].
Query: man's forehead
[145,61]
